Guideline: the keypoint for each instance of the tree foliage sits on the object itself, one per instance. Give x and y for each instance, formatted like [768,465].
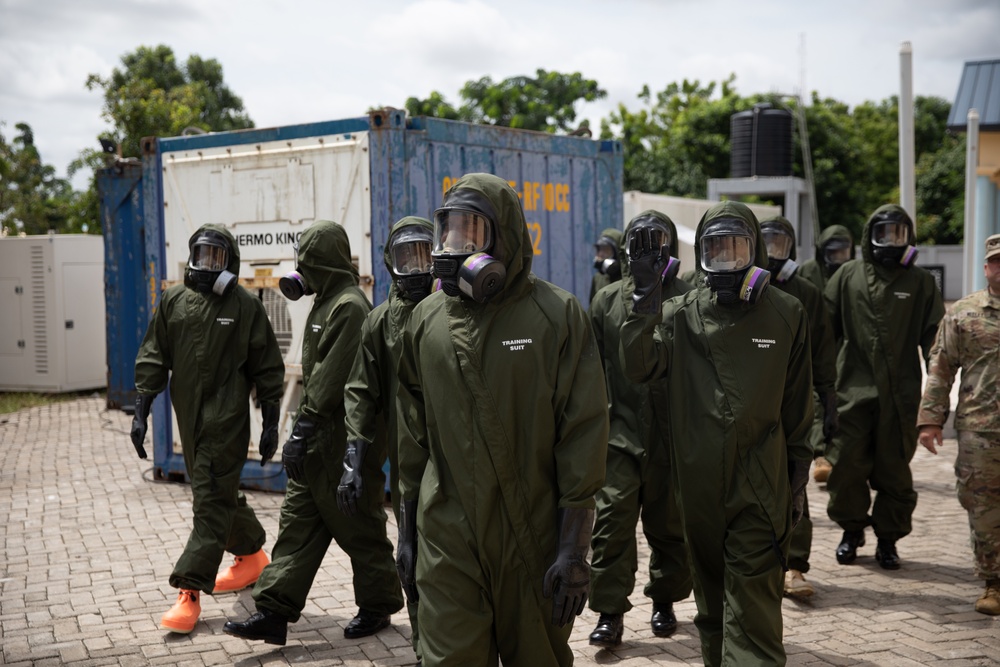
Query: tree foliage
[678,139]
[33,199]
[546,102]
[152,95]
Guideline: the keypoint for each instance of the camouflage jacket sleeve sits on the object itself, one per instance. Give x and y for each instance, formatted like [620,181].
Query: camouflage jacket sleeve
[944,363]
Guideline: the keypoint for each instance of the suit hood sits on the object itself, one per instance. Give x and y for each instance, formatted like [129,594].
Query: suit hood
[325,258]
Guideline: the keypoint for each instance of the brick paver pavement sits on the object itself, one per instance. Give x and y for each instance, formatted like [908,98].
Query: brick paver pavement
[88,542]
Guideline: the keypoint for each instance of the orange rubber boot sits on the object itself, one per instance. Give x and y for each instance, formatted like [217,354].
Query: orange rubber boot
[242,573]
[182,617]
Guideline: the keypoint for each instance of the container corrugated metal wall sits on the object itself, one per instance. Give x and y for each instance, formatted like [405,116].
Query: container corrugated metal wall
[126,307]
[570,188]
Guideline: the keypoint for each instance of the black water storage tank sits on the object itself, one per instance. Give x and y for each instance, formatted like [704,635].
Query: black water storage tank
[760,142]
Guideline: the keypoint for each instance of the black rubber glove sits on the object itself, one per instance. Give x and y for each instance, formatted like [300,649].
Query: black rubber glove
[269,433]
[798,477]
[352,485]
[647,264]
[293,454]
[406,550]
[143,403]
[567,580]
[831,422]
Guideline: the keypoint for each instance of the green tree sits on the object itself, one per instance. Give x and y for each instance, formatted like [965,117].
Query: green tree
[679,138]
[152,95]
[33,199]
[546,102]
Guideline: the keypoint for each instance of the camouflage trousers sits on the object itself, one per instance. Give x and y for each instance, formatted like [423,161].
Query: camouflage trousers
[978,470]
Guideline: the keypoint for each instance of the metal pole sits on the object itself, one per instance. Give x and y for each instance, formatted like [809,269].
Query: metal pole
[971,165]
[907,158]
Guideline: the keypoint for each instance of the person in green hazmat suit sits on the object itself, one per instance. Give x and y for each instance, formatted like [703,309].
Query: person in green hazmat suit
[370,395]
[834,247]
[637,483]
[732,360]
[313,456]
[779,238]
[606,260]
[503,431]
[882,308]
[212,340]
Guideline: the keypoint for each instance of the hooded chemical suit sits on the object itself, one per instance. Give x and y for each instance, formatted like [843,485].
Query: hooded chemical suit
[823,356]
[310,517]
[602,280]
[503,430]
[638,483]
[370,396]
[880,315]
[214,349]
[816,270]
[738,383]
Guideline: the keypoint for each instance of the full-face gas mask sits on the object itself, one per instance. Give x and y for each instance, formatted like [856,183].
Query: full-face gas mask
[206,269]
[659,235]
[727,258]
[293,284]
[890,234]
[464,235]
[779,245]
[410,253]
[606,258]
[834,253]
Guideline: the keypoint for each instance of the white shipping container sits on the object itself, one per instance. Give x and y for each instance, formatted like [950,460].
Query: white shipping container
[52,326]
[266,194]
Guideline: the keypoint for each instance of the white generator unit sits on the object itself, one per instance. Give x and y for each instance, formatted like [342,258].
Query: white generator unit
[685,213]
[52,324]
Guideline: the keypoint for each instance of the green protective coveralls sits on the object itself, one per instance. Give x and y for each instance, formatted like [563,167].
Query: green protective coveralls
[602,280]
[638,482]
[880,315]
[738,382]
[310,517]
[824,365]
[370,395]
[214,349]
[503,421]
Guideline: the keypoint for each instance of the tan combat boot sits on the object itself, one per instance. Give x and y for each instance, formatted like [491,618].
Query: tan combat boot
[989,603]
[796,585]
[821,470]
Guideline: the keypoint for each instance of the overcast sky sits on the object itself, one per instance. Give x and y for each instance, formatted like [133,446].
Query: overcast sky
[304,61]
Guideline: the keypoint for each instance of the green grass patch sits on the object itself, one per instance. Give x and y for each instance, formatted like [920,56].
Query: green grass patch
[14,401]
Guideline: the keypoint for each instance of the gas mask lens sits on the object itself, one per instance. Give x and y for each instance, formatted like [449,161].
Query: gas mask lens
[460,232]
[778,242]
[208,257]
[836,252]
[411,256]
[726,253]
[891,234]
[603,250]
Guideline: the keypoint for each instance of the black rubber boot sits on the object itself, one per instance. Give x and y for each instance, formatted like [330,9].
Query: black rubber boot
[366,623]
[847,550]
[608,633]
[663,621]
[885,554]
[264,625]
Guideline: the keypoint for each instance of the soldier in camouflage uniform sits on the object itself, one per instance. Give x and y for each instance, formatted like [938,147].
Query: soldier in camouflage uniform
[970,337]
